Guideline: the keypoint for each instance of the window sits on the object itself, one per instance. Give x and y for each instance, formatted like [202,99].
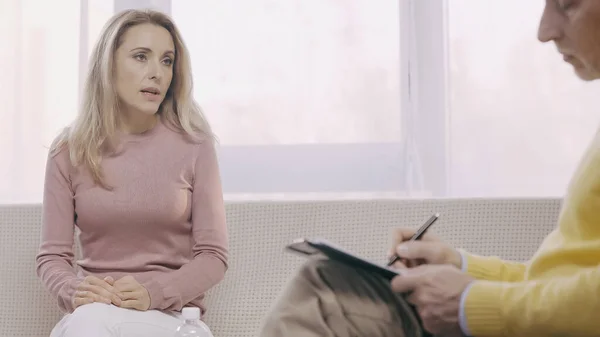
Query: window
[305,96]
[39,88]
[323,98]
[519,118]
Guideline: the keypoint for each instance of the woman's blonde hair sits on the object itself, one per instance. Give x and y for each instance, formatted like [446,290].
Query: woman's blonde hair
[92,134]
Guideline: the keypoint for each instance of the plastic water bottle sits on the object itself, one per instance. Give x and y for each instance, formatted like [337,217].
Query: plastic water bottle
[192,325]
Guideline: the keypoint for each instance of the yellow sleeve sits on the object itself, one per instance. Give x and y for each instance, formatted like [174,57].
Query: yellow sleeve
[560,306]
[492,268]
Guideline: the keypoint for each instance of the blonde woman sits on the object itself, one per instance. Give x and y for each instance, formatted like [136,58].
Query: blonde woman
[137,173]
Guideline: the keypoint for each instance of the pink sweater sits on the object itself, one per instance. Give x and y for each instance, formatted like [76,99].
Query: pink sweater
[163,222]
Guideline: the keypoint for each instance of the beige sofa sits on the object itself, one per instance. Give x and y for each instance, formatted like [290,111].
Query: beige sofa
[259,266]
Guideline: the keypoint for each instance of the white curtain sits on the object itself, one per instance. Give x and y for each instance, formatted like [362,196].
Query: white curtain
[306,96]
[519,117]
[38,89]
[40,63]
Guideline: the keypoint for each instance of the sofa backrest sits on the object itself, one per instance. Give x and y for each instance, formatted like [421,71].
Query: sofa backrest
[259,265]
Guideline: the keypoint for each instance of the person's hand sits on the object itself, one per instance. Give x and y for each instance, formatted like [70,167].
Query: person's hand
[435,291]
[428,250]
[132,294]
[93,289]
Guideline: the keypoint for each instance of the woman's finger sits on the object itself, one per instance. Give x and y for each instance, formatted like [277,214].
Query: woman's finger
[95,297]
[101,292]
[98,286]
[91,280]
[97,290]
[79,301]
[129,286]
[131,304]
[86,297]
[131,295]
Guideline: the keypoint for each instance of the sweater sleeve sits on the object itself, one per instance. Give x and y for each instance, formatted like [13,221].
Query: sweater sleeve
[54,261]
[172,291]
[559,306]
[493,268]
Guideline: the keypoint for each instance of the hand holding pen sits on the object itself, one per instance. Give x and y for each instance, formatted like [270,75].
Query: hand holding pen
[413,247]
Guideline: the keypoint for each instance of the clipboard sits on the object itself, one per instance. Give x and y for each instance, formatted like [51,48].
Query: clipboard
[315,247]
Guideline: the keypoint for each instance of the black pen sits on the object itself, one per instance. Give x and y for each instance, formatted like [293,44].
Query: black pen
[417,236]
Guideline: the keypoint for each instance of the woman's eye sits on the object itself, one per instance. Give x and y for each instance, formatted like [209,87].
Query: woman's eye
[168,62]
[140,57]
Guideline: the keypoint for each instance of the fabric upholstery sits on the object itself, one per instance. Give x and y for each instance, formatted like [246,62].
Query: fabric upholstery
[260,266]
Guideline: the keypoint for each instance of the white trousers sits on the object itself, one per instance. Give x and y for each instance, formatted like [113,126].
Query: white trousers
[107,320]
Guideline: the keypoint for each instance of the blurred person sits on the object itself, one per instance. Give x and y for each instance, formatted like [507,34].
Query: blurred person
[137,174]
[455,293]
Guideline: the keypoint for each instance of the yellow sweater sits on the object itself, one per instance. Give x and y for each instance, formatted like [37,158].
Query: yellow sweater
[557,292]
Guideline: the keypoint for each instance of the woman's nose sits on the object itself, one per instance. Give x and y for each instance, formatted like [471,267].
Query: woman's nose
[154,70]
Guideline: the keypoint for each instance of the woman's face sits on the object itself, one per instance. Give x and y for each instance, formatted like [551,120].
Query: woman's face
[144,68]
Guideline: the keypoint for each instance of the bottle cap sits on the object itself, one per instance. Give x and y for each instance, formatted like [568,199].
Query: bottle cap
[191,313]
